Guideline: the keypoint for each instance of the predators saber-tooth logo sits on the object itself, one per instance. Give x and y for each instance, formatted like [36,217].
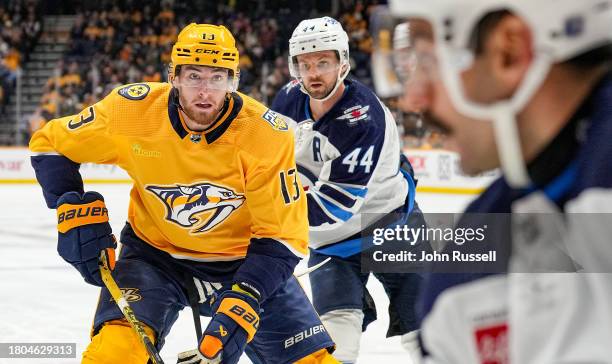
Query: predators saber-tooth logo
[183,203]
[130,294]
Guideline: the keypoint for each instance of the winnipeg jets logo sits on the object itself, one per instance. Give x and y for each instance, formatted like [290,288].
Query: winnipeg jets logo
[355,113]
[183,203]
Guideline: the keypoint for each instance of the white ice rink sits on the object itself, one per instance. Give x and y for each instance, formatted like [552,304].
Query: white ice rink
[44,299]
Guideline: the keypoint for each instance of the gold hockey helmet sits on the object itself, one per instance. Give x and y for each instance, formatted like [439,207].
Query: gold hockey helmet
[206,45]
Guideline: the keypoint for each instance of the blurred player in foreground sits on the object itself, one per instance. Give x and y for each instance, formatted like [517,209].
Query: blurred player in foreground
[524,86]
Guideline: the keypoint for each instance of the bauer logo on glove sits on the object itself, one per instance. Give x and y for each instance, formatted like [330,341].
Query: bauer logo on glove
[70,216]
[233,325]
[84,231]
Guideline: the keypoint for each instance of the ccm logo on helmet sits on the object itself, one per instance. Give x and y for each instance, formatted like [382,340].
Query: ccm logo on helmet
[207,51]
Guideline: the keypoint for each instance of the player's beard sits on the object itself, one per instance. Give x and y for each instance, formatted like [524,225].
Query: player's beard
[321,93]
[202,118]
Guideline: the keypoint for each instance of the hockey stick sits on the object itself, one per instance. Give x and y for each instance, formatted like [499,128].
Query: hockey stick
[125,308]
[193,356]
[312,269]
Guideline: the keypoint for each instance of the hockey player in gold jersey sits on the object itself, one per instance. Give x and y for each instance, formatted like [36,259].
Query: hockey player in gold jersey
[217,218]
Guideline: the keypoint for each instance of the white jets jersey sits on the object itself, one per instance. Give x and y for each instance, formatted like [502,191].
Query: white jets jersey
[348,161]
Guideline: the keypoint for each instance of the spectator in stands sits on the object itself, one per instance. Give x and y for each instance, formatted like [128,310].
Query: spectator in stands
[31,30]
[71,76]
[151,75]
[19,28]
[118,42]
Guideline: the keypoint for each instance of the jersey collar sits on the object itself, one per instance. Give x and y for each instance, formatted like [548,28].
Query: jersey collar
[308,113]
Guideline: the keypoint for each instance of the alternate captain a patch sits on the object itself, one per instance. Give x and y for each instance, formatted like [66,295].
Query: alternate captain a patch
[274,119]
[136,91]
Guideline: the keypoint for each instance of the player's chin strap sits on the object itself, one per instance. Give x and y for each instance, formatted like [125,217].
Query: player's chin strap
[339,79]
[174,100]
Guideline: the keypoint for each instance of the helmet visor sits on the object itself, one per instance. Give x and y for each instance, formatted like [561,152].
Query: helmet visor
[217,79]
[301,69]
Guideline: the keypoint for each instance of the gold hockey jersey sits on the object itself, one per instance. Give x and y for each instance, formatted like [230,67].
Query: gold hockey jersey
[199,196]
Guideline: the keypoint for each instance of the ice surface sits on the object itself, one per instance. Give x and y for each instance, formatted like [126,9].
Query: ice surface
[43,299]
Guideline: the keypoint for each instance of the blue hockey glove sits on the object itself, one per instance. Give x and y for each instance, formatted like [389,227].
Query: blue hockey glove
[84,232]
[233,325]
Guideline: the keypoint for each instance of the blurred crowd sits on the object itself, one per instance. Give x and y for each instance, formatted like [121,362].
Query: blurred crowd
[20,27]
[118,42]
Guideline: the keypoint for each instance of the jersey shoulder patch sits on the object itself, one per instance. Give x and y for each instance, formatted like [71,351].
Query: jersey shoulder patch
[277,121]
[355,113]
[360,107]
[137,91]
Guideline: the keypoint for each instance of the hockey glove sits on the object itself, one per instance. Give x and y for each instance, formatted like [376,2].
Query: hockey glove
[84,232]
[233,325]
[194,357]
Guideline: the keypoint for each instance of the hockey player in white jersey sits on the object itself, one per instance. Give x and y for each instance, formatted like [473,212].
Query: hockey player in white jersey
[525,86]
[348,156]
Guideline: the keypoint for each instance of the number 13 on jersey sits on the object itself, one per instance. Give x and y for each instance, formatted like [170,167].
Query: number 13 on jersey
[289,178]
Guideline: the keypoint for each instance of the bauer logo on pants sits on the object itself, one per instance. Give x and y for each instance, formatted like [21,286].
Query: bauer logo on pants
[304,335]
